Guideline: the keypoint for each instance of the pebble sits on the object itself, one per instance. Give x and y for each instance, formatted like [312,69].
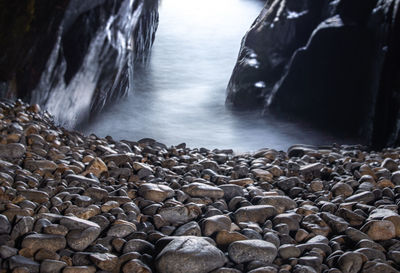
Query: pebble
[35,242]
[20,261]
[104,261]
[203,190]
[189,229]
[79,240]
[252,250]
[258,213]
[379,230]
[12,151]
[280,203]
[5,225]
[189,254]
[135,265]
[216,223]
[350,262]
[289,251]
[156,193]
[50,266]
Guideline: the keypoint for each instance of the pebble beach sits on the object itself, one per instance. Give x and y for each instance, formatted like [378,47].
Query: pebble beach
[74,203]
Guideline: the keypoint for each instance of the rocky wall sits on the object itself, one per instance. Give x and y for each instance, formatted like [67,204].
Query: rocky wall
[330,63]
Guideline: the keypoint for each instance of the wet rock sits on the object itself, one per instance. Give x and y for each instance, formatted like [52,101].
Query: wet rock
[224,238]
[264,269]
[263,175]
[379,230]
[395,178]
[389,164]
[203,190]
[97,194]
[79,269]
[7,252]
[12,151]
[231,191]
[216,223]
[138,245]
[109,205]
[342,189]
[96,167]
[188,229]
[79,239]
[226,270]
[315,224]
[252,250]
[49,266]
[364,197]
[281,203]
[350,262]
[72,223]
[104,261]
[377,267]
[304,269]
[351,217]
[45,165]
[156,193]
[121,229]
[43,254]
[395,219]
[257,214]
[179,214]
[288,183]
[35,196]
[372,254]
[49,242]
[22,227]
[242,182]
[189,254]
[5,226]
[337,224]
[135,265]
[311,170]
[356,235]
[289,251]
[20,261]
[82,179]
[292,220]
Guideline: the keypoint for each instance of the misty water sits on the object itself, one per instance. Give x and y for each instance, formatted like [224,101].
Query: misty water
[179,96]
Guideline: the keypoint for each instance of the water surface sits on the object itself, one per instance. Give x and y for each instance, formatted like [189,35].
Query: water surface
[180,95]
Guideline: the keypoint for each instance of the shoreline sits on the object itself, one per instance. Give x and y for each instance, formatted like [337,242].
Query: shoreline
[75,203]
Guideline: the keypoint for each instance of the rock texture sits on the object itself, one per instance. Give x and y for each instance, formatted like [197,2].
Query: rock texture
[324,62]
[75,203]
[54,52]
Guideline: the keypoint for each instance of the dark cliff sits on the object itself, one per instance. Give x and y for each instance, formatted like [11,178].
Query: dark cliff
[73,57]
[332,63]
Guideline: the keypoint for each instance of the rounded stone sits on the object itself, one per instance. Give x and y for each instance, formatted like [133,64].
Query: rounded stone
[189,254]
[379,230]
[257,214]
[156,193]
[49,242]
[350,262]
[216,223]
[289,251]
[252,250]
[136,266]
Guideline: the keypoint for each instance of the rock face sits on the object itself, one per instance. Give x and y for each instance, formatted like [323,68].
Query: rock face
[55,52]
[326,62]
